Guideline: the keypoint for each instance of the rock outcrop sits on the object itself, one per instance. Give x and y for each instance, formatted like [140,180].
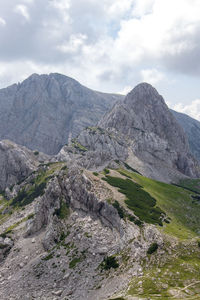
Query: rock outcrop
[95,148]
[16,163]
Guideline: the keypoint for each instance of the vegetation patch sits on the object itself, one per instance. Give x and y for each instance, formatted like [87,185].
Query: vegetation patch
[182,212]
[31,216]
[190,184]
[109,262]
[74,262]
[36,153]
[95,173]
[63,211]
[119,209]
[94,130]
[78,146]
[64,168]
[48,257]
[119,298]
[24,198]
[153,248]
[130,168]
[38,184]
[106,171]
[138,200]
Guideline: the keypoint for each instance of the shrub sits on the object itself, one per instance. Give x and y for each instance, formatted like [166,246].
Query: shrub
[63,211]
[198,243]
[109,262]
[74,262]
[119,209]
[95,173]
[106,171]
[36,152]
[153,248]
[48,257]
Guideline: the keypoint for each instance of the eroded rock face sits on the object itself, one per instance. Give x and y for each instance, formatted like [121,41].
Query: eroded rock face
[75,190]
[192,130]
[5,245]
[16,163]
[96,148]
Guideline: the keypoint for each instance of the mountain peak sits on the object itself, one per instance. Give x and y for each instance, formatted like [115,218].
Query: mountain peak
[143,93]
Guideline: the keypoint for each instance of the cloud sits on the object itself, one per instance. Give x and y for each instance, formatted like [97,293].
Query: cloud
[2,22]
[22,9]
[152,76]
[106,44]
[192,109]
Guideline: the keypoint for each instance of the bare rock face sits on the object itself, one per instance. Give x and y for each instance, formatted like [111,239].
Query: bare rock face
[95,148]
[16,163]
[44,111]
[5,245]
[156,141]
[75,190]
[192,130]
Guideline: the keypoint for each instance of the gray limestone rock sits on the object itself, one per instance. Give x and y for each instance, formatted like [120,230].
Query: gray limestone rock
[16,163]
[158,145]
[44,111]
[192,130]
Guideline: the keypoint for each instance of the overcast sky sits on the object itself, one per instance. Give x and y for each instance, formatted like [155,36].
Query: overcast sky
[107,45]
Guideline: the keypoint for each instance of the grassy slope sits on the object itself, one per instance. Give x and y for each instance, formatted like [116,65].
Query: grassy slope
[178,275]
[177,204]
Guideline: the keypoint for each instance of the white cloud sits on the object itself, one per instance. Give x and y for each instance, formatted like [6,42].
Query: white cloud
[152,76]
[23,10]
[2,22]
[192,109]
[106,44]
[74,44]
[125,90]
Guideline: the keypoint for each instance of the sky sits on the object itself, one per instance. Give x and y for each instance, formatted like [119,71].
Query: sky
[107,45]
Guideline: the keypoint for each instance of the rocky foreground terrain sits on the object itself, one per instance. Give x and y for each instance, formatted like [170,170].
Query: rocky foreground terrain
[93,222]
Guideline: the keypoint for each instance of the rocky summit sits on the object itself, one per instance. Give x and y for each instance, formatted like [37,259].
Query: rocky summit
[114,215]
[44,111]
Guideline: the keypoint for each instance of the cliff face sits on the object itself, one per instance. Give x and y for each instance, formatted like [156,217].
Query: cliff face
[192,130]
[17,162]
[44,111]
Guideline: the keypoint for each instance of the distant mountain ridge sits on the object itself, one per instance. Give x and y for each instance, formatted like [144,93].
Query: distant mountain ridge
[192,130]
[45,111]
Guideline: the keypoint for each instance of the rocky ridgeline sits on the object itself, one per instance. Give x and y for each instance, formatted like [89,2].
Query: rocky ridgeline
[79,231]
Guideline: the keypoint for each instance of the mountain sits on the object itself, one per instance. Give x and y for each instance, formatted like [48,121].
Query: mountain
[192,130]
[141,131]
[44,111]
[88,223]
